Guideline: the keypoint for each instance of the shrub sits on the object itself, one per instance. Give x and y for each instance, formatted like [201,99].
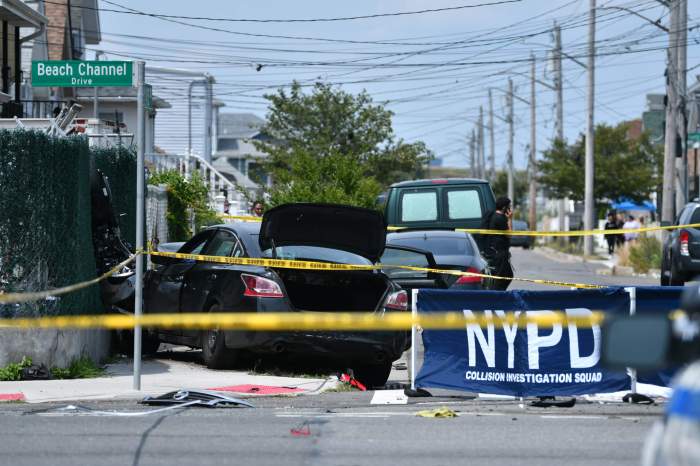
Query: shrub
[185,196]
[645,254]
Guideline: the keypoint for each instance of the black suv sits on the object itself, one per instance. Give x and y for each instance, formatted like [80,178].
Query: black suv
[681,253]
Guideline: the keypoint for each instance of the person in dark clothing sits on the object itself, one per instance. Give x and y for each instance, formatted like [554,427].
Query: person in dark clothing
[611,224]
[498,248]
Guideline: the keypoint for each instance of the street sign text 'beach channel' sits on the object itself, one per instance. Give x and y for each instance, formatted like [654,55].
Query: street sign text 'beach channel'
[73,73]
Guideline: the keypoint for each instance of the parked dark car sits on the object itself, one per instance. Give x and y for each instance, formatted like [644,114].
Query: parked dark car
[453,250]
[524,242]
[317,232]
[439,203]
[680,261]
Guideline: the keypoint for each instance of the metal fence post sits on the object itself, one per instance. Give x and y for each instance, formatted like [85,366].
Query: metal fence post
[632,291]
[140,174]
[414,313]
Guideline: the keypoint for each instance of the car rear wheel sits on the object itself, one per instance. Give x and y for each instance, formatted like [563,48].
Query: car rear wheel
[214,352]
[676,278]
[372,375]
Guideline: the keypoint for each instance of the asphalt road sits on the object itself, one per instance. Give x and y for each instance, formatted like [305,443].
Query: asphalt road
[344,428]
[332,429]
[540,264]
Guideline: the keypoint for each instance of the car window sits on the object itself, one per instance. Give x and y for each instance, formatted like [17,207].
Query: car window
[392,256]
[695,218]
[315,253]
[196,244]
[418,206]
[463,204]
[223,244]
[438,245]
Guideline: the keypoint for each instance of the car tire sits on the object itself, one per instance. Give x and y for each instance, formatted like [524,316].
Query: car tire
[215,355]
[676,278]
[527,246]
[665,273]
[124,340]
[372,375]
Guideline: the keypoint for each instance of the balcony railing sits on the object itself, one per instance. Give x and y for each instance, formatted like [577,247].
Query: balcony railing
[30,108]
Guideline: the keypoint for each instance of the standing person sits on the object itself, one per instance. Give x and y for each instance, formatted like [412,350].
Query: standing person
[498,246]
[631,224]
[611,224]
[258,208]
[620,223]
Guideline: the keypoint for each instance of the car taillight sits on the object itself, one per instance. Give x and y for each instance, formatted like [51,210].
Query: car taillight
[684,237]
[260,287]
[469,279]
[398,300]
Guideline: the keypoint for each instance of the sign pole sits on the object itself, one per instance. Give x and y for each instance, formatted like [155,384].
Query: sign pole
[140,173]
[414,352]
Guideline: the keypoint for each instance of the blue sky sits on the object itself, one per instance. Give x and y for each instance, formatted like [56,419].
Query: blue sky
[433,70]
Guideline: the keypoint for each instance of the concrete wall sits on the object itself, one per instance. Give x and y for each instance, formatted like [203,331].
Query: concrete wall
[54,348]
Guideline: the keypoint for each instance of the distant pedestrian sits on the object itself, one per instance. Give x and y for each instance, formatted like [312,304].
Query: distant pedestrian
[258,208]
[631,224]
[498,246]
[620,222]
[611,224]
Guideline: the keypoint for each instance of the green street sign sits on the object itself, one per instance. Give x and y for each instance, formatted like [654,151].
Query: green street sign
[73,73]
[693,137]
[148,97]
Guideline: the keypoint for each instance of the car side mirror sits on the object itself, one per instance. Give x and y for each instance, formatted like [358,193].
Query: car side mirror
[666,223]
[640,342]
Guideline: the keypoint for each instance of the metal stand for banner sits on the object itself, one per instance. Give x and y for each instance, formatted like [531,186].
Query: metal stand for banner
[413,392]
[633,396]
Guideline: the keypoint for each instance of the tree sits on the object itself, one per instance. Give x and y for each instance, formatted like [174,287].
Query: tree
[500,186]
[333,146]
[624,168]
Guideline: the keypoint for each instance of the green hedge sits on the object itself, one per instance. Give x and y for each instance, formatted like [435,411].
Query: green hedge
[45,233]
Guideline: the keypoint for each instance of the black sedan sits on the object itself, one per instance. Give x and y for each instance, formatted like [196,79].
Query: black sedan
[316,232]
[449,249]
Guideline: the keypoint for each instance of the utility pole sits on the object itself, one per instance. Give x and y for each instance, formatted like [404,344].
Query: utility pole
[492,154]
[589,199]
[472,164]
[682,53]
[96,101]
[559,86]
[532,166]
[511,189]
[480,144]
[667,204]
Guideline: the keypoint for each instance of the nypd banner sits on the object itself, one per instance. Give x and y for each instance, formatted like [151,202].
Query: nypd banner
[562,360]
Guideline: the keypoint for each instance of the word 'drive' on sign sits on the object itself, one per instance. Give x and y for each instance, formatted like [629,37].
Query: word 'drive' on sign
[73,73]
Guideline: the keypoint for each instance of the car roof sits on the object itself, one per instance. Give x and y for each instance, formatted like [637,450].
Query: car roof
[438,181]
[240,226]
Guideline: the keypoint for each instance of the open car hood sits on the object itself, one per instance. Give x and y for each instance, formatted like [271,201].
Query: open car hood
[353,229]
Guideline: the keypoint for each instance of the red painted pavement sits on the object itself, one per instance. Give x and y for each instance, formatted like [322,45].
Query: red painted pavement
[11,396]
[258,389]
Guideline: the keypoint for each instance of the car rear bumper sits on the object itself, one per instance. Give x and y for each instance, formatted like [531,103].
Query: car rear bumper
[689,265]
[365,346]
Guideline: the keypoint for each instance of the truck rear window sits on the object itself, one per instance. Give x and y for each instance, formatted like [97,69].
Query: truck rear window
[463,203]
[419,206]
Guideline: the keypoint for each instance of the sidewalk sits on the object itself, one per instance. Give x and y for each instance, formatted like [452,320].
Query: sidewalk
[159,376]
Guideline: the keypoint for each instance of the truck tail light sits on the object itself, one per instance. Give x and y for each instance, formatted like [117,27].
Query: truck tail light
[684,238]
[398,301]
[260,287]
[469,279]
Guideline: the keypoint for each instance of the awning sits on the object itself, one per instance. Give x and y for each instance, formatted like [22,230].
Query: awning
[17,13]
[645,206]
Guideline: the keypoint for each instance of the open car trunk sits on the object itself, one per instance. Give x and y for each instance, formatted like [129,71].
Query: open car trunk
[310,290]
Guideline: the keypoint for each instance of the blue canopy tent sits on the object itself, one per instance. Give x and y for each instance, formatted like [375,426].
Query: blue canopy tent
[646,206]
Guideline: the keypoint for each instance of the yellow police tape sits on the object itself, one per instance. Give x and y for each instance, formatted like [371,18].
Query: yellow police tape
[10,298]
[482,231]
[312,265]
[309,321]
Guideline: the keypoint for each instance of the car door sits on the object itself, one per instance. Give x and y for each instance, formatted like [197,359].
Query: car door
[164,285]
[206,281]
